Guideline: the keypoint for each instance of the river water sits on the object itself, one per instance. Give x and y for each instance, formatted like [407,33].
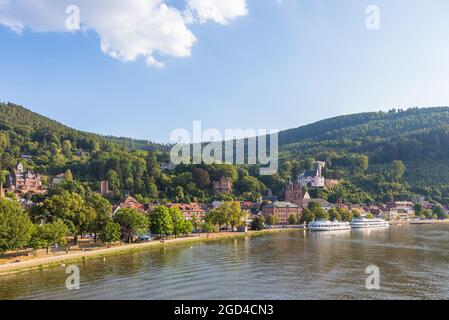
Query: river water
[413,262]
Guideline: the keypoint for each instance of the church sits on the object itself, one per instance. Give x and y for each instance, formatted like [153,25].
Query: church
[294,193]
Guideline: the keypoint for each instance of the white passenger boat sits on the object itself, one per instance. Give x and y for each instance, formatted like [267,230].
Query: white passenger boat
[364,223]
[322,225]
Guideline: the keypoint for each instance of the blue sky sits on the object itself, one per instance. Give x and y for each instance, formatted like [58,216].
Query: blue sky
[281,65]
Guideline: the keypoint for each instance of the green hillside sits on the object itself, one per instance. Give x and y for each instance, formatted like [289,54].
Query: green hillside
[418,137]
[361,150]
[23,120]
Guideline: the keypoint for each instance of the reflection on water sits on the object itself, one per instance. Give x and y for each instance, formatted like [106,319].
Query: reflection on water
[413,262]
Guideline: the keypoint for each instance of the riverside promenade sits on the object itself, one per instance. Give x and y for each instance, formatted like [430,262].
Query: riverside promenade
[55,259]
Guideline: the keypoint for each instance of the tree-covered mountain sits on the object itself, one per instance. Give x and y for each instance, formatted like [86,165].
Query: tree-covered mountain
[25,121]
[418,136]
[378,156]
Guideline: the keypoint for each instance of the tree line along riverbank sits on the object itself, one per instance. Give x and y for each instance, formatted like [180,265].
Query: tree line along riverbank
[50,260]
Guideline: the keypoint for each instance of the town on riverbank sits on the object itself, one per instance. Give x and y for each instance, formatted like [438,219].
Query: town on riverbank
[65,220]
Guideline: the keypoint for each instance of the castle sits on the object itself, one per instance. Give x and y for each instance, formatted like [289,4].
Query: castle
[23,181]
[314,177]
[224,185]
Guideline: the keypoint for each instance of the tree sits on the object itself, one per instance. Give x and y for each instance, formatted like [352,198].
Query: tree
[113,180]
[38,240]
[418,209]
[228,214]
[187,227]
[47,235]
[307,216]
[201,178]
[68,176]
[345,215]
[359,163]
[271,220]
[73,210]
[235,214]
[131,222]
[3,176]
[250,184]
[103,211]
[318,212]
[208,228]
[67,149]
[161,221]
[153,167]
[439,212]
[308,163]
[258,223]
[216,217]
[427,213]
[292,219]
[15,226]
[356,214]
[397,170]
[178,221]
[334,214]
[111,232]
[56,233]
[196,222]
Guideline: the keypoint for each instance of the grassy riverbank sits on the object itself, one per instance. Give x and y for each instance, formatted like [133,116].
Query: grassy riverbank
[54,260]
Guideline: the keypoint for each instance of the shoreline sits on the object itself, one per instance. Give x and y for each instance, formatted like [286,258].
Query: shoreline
[51,261]
[55,260]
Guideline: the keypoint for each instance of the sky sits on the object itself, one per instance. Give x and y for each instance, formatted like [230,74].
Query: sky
[143,68]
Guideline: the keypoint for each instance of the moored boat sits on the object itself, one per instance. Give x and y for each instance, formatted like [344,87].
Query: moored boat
[322,225]
[364,223]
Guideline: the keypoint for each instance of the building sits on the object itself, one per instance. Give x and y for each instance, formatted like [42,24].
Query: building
[329,183]
[104,188]
[282,211]
[314,177]
[58,179]
[419,200]
[129,203]
[270,197]
[322,203]
[189,210]
[246,206]
[224,185]
[401,210]
[293,193]
[24,181]
[359,209]
[168,166]
[26,157]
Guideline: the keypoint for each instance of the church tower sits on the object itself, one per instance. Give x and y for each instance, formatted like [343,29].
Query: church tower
[293,193]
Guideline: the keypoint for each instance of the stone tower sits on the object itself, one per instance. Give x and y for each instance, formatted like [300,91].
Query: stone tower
[293,193]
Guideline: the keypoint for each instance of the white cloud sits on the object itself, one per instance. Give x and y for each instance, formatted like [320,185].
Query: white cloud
[129,29]
[220,11]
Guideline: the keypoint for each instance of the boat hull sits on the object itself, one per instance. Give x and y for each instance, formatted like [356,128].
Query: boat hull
[329,229]
[370,227]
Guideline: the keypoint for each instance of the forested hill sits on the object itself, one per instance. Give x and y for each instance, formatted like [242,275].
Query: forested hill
[361,150]
[413,134]
[370,125]
[27,122]
[418,136]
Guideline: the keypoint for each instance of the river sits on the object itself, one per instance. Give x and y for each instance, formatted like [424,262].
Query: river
[413,262]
